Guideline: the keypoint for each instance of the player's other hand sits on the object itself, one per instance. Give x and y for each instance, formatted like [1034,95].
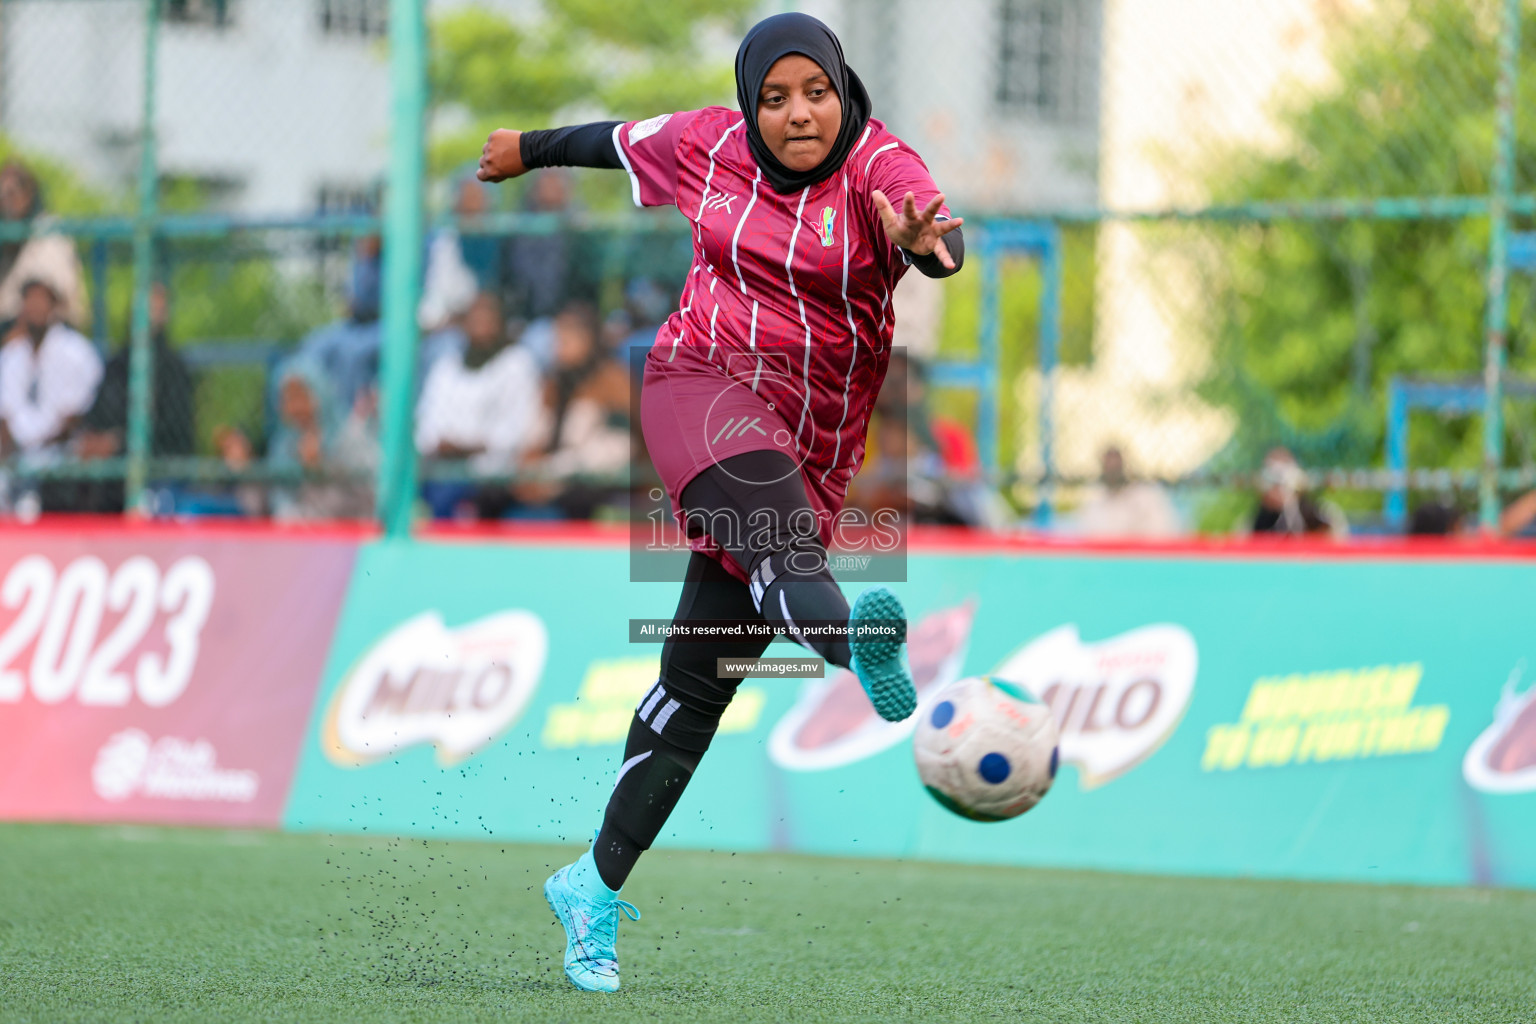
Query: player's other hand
[916,230]
[502,156]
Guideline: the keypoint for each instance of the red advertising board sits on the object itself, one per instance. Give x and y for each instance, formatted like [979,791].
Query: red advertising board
[160,676]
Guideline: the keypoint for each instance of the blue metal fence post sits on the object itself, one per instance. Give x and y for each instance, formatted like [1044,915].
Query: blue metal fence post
[1496,313]
[1049,345]
[99,294]
[1396,506]
[986,404]
[403,232]
[142,354]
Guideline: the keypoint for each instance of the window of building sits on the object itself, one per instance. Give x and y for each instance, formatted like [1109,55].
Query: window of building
[1048,66]
[197,12]
[366,18]
[339,198]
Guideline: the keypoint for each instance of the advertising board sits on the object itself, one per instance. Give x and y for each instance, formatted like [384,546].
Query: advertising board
[1227,716]
[159,678]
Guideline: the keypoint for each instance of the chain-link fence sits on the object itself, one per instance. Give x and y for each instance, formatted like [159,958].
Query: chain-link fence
[1201,233]
[1277,225]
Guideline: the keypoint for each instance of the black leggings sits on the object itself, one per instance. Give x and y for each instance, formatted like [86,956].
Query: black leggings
[754,506]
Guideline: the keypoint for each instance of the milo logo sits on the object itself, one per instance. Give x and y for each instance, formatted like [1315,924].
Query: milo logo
[1115,701]
[425,683]
[1503,757]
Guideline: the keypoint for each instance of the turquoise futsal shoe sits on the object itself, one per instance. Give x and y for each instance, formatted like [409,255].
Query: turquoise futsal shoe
[878,660]
[591,932]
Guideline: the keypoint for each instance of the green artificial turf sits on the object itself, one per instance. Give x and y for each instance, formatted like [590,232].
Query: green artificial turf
[120,924]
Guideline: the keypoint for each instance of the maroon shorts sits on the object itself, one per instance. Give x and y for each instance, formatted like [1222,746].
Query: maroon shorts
[696,417]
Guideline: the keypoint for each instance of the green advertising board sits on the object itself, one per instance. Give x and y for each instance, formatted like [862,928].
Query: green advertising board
[1363,718]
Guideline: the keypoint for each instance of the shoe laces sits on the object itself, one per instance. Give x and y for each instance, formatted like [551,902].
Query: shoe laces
[602,929]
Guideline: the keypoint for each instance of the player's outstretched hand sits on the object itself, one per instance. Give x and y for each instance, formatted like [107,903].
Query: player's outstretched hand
[916,231]
[502,156]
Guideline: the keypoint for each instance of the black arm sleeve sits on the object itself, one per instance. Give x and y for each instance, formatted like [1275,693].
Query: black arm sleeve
[580,145]
[929,265]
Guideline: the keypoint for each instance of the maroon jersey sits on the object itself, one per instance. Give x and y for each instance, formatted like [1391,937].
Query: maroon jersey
[782,335]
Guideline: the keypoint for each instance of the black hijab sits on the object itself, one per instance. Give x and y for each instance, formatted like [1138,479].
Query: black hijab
[780,36]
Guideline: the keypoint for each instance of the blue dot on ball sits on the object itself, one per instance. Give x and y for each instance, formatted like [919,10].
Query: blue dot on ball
[942,714]
[993,768]
[1055,756]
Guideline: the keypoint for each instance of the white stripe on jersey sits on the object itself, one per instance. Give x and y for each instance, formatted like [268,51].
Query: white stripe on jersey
[741,281]
[882,149]
[683,313]
[705,194]
[789,272]
[848,310]
[752,344]
[868,128]
[736,238]
[634,179]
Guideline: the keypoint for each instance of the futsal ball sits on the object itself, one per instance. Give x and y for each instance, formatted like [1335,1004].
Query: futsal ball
[986,749]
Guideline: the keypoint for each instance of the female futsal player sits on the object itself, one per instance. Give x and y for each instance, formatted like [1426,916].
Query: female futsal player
[755,401]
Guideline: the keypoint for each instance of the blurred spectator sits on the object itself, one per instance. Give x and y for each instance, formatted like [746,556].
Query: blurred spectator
[538,264]
[586,423]
[478,407]
[646,307]
[313,435]
[932,458]
[1437,518]
[347,351]
[458,268]
[103,433]
[884,479]
[1518,515]
[44,256]
[902,472]
[48,376]
[1121,507]
[1286,504]
[485,255]
[238,455]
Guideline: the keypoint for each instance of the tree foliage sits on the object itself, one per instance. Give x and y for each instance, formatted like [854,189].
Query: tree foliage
[579,60]
[1309,321]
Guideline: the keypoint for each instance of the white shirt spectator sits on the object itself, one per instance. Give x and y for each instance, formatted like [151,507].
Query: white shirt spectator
[495,407]
[50,258]
[450,286]
[41,388]
[1134,510]
[588,442]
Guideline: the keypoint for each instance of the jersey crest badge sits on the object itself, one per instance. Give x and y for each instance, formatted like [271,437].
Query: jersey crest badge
[828,220]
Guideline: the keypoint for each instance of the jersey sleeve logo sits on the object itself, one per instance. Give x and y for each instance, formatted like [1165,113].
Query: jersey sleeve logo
[828,230]
[645,129]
